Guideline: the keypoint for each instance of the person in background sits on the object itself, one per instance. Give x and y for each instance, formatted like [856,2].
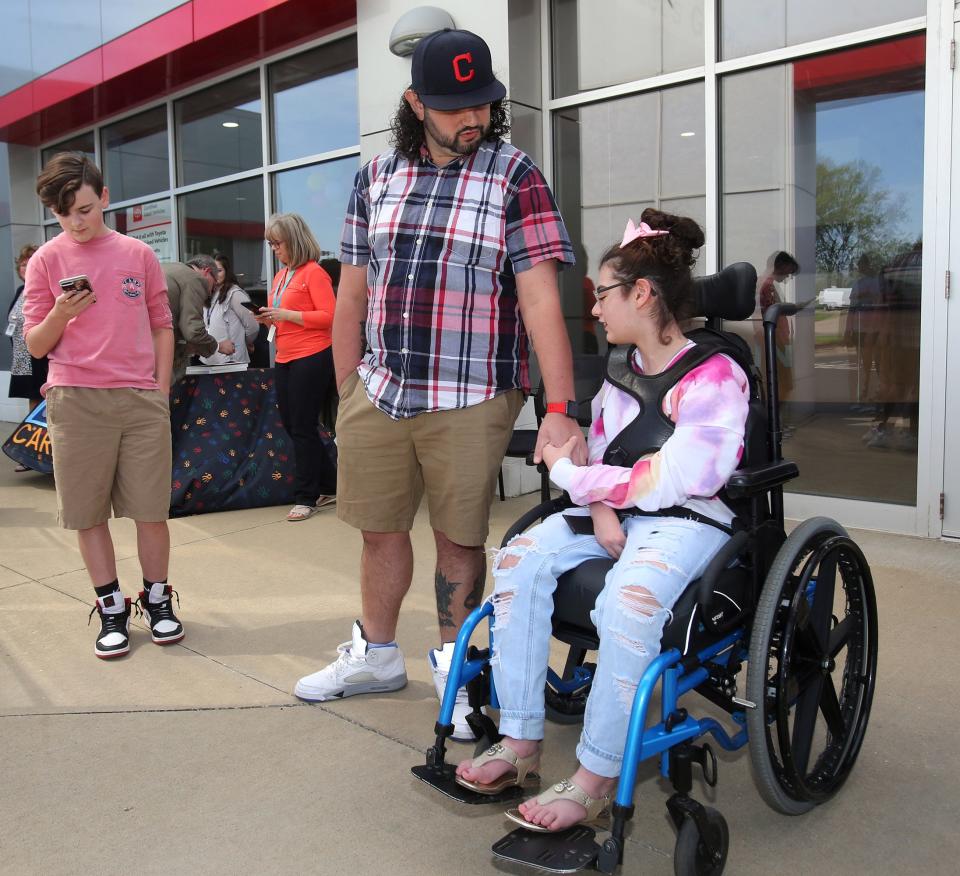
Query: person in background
[27,375]
[189,287]
[781,266]
[227,319]
[300,315]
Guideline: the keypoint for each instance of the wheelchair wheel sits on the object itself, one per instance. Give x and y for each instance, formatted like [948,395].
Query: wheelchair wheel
[812,669]
[691,857]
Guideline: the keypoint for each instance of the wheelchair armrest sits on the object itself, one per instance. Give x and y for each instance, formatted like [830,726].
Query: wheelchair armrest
[760,478]
[544,509]
[723,557]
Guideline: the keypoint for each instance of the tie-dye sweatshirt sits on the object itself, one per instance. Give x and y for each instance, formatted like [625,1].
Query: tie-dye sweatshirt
[709,409]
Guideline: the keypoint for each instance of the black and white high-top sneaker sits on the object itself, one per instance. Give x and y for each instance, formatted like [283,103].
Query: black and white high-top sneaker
[114,638]
[165,628]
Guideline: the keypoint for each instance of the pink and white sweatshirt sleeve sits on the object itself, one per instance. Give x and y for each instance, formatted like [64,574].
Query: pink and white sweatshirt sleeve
[709,407]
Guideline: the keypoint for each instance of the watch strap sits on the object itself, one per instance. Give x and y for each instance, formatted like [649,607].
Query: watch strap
[568,408]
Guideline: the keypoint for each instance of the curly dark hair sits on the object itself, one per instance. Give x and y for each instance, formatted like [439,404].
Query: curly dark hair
[665,260]
[406,130]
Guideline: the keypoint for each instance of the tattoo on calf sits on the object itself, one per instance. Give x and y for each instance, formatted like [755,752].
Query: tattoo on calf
[445,590]
[475,596]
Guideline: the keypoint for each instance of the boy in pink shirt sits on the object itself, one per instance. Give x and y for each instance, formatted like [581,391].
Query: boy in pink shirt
[109,339]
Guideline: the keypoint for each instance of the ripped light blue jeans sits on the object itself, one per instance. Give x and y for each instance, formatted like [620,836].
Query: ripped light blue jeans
[661,556]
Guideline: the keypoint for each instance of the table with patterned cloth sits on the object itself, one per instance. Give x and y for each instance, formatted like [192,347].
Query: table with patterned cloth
[230,449]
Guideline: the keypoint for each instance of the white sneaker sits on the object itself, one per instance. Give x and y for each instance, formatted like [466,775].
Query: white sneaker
[358,670]
[440,659]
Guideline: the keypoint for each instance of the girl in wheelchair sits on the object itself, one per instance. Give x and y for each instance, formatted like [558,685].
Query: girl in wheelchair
[656,512]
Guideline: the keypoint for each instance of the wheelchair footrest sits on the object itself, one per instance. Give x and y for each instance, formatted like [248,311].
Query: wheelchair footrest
[566,851]
[443,779]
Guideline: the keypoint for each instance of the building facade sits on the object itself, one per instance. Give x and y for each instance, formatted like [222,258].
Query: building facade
[820,131]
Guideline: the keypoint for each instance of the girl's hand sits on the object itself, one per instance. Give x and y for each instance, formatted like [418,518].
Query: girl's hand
[551,453]
[608,529]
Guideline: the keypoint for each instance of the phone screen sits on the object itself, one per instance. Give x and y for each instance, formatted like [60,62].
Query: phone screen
[251,306]
[76,285]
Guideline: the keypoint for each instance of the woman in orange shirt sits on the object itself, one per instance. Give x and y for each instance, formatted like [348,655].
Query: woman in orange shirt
[300,315]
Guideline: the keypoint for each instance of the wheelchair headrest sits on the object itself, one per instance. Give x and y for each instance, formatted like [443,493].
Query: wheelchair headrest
[730,294]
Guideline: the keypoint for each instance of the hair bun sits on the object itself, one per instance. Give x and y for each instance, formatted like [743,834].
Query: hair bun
[683,229]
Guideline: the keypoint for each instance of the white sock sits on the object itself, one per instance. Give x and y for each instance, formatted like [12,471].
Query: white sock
[112,603]
[155,593]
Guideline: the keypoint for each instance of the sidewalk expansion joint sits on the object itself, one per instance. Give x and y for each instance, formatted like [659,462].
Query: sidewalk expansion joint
[172,710]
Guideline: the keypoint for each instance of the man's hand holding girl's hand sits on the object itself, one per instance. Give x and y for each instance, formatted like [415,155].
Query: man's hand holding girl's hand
[551,452]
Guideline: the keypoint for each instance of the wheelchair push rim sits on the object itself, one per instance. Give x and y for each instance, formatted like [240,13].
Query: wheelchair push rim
[812,669]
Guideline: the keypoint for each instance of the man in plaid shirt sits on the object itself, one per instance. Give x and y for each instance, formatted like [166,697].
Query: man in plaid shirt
[450,253]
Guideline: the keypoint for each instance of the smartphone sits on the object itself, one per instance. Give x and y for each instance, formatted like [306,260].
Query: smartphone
[76,285]
[255,308]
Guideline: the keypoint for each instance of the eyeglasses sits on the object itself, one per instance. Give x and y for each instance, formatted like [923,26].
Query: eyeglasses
[601,291]
[274,244]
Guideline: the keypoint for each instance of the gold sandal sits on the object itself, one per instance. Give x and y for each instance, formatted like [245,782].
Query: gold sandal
[597,807]
[524,777]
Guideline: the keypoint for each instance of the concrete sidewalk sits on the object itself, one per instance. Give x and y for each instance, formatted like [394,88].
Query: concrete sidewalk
[197,759]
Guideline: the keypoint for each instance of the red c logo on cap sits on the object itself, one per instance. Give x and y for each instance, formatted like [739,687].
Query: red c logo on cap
[462,77]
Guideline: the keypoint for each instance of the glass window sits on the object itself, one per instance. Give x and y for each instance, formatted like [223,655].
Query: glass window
[219,130]
[319,193]
[613,159]
[598,44]
[823,193]
[315,101]
[149,222]
[135,155]
[749,26]
[80,143]
[227,219]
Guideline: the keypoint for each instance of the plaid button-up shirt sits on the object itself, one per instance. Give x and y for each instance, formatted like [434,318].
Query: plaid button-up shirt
[443,246]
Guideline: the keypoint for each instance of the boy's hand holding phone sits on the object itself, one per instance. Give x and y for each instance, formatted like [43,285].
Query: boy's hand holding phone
[76,297]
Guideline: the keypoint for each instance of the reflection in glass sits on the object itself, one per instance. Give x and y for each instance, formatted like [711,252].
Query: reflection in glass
[749,26]
[149,222]
[315,101]
[80,143]
[319,193]
[608,168]
[227,219]
[135,155]
[598,44]
[219,130]
[823,192]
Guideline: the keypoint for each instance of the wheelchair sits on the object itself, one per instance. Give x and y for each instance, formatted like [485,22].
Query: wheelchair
[799,610]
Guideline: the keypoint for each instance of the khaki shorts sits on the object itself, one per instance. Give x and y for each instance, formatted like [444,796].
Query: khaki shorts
[385,466]
[111,447]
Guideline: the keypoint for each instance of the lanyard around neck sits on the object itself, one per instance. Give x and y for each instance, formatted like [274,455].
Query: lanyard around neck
[278,290]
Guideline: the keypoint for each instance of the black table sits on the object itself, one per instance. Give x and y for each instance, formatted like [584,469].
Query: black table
[230,450]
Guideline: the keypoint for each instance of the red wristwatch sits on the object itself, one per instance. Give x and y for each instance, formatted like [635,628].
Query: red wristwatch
[568,408]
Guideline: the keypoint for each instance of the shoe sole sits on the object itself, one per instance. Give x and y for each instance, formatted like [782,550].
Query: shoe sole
[107,655]
[167,641]
[354,689]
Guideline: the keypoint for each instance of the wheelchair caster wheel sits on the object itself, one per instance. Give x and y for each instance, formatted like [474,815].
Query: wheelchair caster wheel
[696,856]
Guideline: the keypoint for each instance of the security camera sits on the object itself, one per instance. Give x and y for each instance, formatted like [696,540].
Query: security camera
[413,26]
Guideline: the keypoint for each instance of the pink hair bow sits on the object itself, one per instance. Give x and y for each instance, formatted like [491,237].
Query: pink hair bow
[632,232]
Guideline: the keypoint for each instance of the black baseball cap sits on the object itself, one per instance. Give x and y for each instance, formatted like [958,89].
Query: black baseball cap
[452,70]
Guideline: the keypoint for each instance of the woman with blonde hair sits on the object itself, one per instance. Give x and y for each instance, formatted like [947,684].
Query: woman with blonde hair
[299,312]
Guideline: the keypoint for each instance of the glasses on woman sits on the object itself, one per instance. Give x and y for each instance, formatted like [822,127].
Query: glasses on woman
[601,291]
[274,244]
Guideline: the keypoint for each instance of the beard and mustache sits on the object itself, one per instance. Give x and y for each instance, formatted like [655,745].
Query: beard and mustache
[454,144]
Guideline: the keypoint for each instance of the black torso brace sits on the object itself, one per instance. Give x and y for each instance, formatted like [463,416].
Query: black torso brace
[650,429]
